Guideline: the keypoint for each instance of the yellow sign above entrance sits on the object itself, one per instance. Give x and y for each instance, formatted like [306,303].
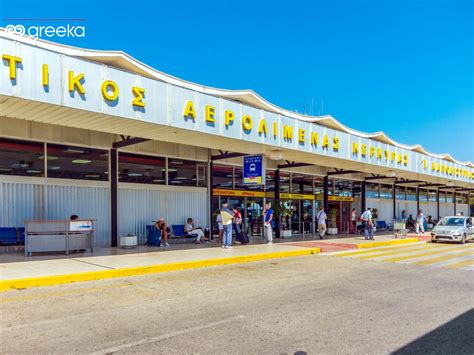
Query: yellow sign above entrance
[238,193]
[341,198]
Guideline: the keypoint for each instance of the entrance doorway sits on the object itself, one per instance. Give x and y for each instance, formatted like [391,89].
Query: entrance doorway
[298,216]
[343,215]
[250,207]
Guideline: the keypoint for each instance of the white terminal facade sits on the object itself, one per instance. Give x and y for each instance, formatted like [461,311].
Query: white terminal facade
[104,136]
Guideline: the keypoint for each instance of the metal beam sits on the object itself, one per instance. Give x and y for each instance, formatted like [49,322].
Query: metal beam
[292,165]
[431,185]
[226,155]
[128,141]
[342,172]
[406,181]
[379,177]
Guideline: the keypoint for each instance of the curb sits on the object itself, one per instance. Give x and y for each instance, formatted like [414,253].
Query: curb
[6,285]
[388,242]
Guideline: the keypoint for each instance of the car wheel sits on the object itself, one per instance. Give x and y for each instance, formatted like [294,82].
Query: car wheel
[463,240]
[433,240]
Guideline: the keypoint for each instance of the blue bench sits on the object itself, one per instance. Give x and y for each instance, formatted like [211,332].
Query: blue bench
[381,225]
[12,235]
[180,234]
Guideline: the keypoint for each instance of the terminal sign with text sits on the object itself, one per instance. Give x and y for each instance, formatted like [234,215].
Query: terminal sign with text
[254,170]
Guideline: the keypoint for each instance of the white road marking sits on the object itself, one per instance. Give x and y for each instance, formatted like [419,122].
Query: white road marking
[167,336]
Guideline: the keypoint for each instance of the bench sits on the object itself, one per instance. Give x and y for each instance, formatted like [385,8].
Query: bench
[180,235]
[381,225]
[12,235]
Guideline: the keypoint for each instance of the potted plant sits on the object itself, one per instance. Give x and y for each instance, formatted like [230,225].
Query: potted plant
[332,221]
[128,241]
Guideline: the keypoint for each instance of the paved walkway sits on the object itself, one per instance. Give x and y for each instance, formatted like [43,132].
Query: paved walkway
[37,271]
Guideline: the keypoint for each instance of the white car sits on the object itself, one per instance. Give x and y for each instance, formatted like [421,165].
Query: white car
[453,228]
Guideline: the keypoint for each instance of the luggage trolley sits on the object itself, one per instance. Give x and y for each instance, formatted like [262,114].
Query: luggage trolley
[399,228]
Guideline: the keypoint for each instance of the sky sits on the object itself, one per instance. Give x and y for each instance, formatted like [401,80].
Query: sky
[403,67]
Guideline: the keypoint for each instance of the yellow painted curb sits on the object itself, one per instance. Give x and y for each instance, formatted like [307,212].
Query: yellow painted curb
[6,285]
[387,242]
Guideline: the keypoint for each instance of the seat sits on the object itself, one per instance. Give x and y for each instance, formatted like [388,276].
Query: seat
[381,225]
[180,234]
[9,236]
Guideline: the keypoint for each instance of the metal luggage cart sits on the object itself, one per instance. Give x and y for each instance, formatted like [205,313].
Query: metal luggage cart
[399,228]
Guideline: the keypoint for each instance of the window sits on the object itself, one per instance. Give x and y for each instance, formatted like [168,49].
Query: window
[330,186]
[442,196]
[284,182]
[449,197]
[432,196]
[401,193]
[71,162]
[386,191]
[201,174]
[423,195]
[21,158]
[222,177]
[301,184]
[319,186]
[357,189]
[343,188]
[372,190]
[461,198]
[411,194]
[182,172]
[141,169]
[270,180]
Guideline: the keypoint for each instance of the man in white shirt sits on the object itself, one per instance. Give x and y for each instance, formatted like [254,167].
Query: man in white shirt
[321,220]
[420,220]
[368,224]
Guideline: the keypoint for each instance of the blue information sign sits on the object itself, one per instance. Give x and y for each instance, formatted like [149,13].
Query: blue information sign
[254,170]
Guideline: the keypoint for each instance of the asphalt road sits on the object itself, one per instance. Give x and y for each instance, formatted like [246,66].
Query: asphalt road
[316,305]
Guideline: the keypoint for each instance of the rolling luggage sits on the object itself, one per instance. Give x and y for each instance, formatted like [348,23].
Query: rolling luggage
[244,238]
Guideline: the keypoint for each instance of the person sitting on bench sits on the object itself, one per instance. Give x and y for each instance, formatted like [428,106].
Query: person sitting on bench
[165,231]
[190,228]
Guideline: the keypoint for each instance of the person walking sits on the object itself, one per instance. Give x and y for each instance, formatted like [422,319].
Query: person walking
[321,218]
[227,216]
[267,223]
[368,224]
[419,222]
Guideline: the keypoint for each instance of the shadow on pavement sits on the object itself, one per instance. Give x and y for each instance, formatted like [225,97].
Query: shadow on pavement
[454,337]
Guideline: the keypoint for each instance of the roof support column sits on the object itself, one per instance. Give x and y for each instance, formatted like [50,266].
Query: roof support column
[363,203]
[277,203]
[417,199]
[210,184]
[326,194]
[113,197]
[394,199]
[454,201]
[437,203]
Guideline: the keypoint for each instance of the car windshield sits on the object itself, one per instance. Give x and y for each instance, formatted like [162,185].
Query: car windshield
[451,221]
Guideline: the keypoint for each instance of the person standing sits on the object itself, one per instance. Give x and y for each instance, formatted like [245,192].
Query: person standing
[220,227]
[267,223]
[321,218]
[354,217]
[420,220]
[404,215]
[368,224]
[227,216]
[238,224]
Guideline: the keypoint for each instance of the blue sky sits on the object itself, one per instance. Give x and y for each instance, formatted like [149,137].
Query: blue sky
[404,67]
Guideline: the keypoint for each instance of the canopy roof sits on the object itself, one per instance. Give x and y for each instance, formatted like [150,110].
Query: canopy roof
[122,60]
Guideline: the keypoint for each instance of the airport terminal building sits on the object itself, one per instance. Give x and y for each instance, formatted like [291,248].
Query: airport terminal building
[101,135]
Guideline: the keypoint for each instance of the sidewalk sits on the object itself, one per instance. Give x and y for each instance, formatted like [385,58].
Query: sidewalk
[52,271]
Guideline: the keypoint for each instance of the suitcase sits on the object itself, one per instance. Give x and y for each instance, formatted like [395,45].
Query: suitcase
[244,238]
